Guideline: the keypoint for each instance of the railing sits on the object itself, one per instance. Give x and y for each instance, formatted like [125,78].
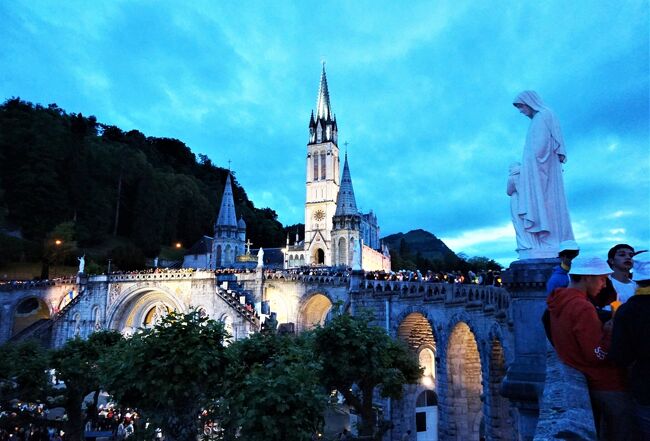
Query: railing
[232,298]
[487,296]
[21,284]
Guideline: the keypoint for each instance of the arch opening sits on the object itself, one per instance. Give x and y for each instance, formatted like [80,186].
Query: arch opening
[464,384]
[500,426]
[314,311]
[29,312]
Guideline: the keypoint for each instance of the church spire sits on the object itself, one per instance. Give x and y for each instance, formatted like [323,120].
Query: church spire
[323,110]
[346,203]
[227,217]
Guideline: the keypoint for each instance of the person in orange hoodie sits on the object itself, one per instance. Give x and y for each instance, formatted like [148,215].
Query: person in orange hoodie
[582,341]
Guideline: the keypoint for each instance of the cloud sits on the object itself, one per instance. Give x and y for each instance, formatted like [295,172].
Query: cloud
[422,94]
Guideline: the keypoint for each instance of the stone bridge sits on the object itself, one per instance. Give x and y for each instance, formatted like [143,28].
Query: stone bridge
[481,347]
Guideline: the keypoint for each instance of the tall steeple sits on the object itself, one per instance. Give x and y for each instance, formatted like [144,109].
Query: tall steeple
[323,176]
[346,204]
[323,110]
[322,126]
[227,217]
[229,235]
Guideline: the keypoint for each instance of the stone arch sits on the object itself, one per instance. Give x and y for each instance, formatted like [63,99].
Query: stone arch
[464,384]
[314,310]
[318,257]
[130,312]
[229,325]
[416,331]
[278,303]
[218,259]
[342,252]
[28,312]
[96,319]
[75,326]
[499,424]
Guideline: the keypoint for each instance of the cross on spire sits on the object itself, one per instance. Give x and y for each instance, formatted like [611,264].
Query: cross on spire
[229,161]
[248,246]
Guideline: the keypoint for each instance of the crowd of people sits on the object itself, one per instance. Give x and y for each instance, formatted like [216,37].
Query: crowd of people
[481,278]
[598,321]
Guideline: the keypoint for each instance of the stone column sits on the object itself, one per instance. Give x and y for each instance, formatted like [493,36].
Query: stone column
[524,380]
[6,323]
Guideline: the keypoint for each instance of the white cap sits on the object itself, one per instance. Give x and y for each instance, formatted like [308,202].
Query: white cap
[569,245]
[589,266]
[641,271]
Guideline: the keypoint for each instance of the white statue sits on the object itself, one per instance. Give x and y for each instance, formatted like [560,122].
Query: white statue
[524,239]
[82,263]
[260,257]
[356,255]
[541,204]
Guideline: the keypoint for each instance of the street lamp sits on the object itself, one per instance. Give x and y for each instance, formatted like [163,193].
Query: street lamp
[178,245]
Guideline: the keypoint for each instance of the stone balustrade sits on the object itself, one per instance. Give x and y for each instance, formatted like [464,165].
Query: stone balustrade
[565,410]
[490,298]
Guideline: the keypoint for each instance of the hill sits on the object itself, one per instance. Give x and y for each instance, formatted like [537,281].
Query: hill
[419,249]
[68,177]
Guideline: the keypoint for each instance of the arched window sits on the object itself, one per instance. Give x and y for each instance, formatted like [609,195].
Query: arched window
[315,166]
[323,166]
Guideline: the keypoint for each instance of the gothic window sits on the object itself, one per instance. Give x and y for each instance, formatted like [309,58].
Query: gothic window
[323,166]
[316,167]
[319,134]
[328,133]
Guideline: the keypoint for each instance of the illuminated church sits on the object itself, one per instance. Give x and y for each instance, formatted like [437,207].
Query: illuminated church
[334,227]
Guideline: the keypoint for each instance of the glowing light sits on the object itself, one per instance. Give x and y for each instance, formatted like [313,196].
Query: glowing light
[427,381]
[58,242]
[178,245]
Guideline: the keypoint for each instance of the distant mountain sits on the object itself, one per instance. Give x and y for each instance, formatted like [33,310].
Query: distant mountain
[420,249]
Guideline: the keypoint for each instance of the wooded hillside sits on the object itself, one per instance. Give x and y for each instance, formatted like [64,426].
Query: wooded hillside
[65,168]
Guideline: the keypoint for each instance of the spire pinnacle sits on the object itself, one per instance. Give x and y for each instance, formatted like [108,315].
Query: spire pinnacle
[227,217]
[346,203]
[323,105]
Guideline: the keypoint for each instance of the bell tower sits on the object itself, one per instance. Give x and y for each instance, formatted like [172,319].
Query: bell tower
[323,180]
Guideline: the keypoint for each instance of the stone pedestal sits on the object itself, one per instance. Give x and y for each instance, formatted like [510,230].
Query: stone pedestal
[523,384]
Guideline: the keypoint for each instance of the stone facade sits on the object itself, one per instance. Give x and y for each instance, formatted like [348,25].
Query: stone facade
[474,342]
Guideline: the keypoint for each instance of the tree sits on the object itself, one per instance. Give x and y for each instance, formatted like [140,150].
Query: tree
[76,365]
[357,358]
[23,378]
[481,263]
[169,372]
[271,389]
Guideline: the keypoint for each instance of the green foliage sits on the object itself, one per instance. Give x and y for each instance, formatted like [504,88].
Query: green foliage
[169,372]
[56,167]
[481,263]
[15,249]
[23,372]
[76,364]
[271,390]
[127,257]
[358,357]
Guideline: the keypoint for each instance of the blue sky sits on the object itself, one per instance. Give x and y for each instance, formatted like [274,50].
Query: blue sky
[422,92]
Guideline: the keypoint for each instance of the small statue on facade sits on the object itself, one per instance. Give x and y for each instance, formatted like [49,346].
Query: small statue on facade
[82,263]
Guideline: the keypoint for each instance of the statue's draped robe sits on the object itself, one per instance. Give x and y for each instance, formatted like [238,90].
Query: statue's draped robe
[542,202]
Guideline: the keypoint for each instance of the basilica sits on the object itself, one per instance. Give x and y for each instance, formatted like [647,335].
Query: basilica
[336,232]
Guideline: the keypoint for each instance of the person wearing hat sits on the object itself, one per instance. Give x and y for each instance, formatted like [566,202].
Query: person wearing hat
[569,250]
[631,345]
[582,342]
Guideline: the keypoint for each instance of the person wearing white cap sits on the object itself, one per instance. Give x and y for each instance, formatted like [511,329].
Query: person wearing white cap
[569,250]
[631,345]
[582,342]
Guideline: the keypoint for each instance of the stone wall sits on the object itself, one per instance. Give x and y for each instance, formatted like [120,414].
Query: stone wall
[565,411]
